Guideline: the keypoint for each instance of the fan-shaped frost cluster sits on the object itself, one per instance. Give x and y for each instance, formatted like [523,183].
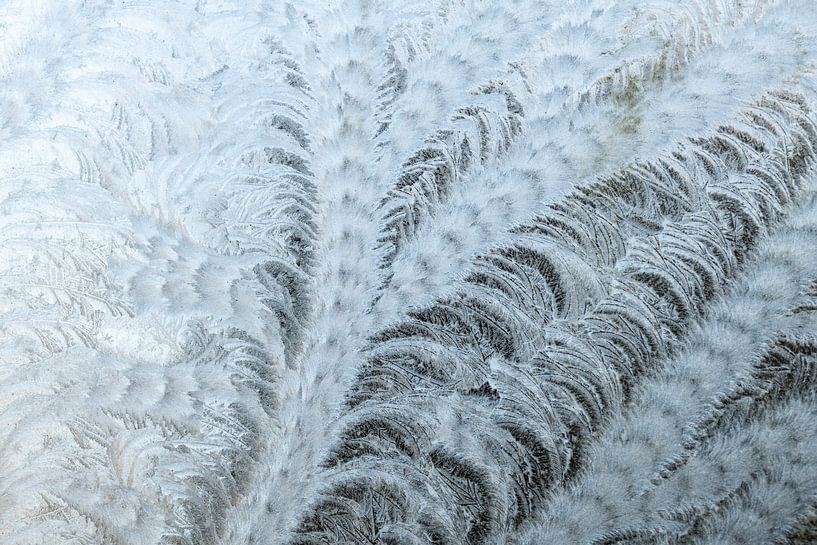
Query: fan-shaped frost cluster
[451,272]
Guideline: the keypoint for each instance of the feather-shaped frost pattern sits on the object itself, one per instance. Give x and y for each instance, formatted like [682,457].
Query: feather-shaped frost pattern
[376,272]
[592,346]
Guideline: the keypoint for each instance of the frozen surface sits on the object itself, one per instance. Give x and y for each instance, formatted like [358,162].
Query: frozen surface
[396,272]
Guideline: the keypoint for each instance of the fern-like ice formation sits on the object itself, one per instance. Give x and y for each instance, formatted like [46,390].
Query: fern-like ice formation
[450,272]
